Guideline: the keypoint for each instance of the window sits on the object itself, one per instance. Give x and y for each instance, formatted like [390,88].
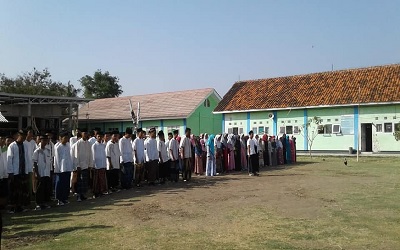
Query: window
[289,130]
[235,130]
[148,128]
[207,103]
[320,129]
[336,129]
[260,130]
[289,121]
[328,120]
[266,130]
[388,128]
[378,127]
[328,129]
[255,130]
[230,130]
[113,129]
[295,130]
[260,122]
[172,128]
[254,122]
[240,130]
[282,130]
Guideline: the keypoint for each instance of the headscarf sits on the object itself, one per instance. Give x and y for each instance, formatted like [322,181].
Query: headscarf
[217,142]
[210,143]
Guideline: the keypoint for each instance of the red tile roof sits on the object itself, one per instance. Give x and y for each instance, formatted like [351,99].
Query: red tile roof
[167,105]
[380,84]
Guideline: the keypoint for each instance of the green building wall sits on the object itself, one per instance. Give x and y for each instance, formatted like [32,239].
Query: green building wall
[350,119]
[202,120]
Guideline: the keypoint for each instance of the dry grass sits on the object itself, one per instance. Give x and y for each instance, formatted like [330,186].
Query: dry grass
[316,204]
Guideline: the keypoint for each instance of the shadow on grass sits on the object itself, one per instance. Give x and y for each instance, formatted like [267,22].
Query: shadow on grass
[125,198]
[52,232]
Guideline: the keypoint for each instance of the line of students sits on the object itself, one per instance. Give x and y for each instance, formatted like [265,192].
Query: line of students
[106,163]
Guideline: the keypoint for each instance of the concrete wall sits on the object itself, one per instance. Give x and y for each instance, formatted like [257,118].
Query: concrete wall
[348,119]
[202,120]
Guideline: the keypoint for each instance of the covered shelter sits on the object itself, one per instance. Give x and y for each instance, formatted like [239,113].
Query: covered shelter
[40,112]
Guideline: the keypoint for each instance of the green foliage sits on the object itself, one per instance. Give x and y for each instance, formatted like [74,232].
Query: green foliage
[101,85]
[312,128]
[397,131]
[36,83]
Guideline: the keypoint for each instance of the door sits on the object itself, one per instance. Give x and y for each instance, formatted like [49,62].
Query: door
[366,137]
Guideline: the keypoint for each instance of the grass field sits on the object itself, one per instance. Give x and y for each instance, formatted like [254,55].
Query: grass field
[315,204]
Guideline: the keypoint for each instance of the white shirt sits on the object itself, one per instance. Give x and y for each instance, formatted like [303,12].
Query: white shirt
[186,146]
[167,146]
[99,155]
[63,158]
[3,164]
[162,148]
[125,146]
[13,159]
[251,143]
[150,149]
[30,148]
[138,147]
[112,151]
[173,149]
[92,140]
[43,159]
[83,154]
[73,140]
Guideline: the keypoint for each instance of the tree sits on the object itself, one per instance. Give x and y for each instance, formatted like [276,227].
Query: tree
[37,83]
[397,131]
[310,130]
[101,85]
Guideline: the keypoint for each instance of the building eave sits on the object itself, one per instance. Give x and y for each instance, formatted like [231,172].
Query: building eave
[307,107]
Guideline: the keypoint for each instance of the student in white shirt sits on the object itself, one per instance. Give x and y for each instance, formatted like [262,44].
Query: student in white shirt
[125,146]
[252,153]
[113,153]
[163,162]
[151,154]
[100,164]
[138,151]
[174,157]
[18,173]
[186,154]
[3,172]
[63,166]
[84,161]
[42,163]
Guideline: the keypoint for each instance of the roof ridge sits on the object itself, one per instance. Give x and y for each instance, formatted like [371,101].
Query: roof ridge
[158,93]
[322,72]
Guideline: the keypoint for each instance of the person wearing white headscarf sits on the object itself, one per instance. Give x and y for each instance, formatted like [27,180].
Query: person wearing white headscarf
[231,156]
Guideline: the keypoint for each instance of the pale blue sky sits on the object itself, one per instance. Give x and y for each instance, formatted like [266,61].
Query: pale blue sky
[157,46]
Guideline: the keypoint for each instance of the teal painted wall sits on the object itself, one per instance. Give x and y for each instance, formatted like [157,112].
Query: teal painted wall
[238,120]
[202,120]
[377,115]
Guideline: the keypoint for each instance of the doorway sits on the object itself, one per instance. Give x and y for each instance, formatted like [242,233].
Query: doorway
[366,137]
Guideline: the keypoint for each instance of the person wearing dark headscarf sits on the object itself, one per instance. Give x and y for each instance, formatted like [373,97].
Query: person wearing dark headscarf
[238,154]
[284,148]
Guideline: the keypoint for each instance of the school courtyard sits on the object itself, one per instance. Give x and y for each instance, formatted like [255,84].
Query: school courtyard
[318,203]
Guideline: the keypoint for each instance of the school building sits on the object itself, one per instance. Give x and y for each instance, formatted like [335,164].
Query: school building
[164,111]
[357,107]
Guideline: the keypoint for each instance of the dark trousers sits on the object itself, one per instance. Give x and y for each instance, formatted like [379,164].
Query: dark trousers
[254,163]
[82,184]
[174,170]
[62,185]
[163,170]
[152,171]
[113,178]
[43,190]
[186,169]
[19,190]
[126,175]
